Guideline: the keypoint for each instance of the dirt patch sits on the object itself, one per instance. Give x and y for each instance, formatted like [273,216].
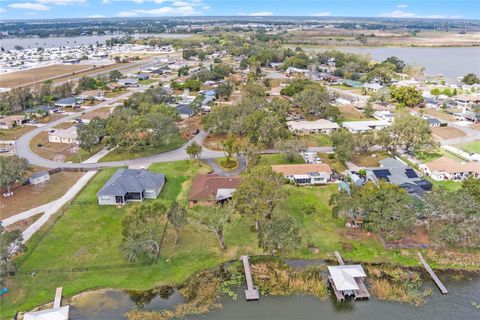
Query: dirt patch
[350,113]
[448,132]
[24,224]
[21,78]
[27,197]
[368,160]
[213,142]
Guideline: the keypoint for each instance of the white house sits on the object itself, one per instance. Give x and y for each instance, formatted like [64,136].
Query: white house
[384,115]
[311,127]
[445,168]
[373,87]
[68,135]
[361,126]
[39,177]
[305,174]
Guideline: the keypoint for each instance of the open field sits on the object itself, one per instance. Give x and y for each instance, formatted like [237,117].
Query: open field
[122,153]
[473,147]
[448,132]
[399,38]
[14,133]
[350,113]
[25,77]
[368,160]
[440,114]
[27,197]
[60,151]
[317,140]
[89,236]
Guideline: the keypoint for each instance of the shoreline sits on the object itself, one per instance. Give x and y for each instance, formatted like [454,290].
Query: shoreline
[299,265]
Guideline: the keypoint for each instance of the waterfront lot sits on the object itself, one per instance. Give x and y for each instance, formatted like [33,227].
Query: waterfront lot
[20,78]
[82,250]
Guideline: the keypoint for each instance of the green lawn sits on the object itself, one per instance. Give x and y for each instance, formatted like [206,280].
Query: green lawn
[449,185]
[123,153]
[147,82]
[271,159]
[317,140]
[473,147]
[89,235]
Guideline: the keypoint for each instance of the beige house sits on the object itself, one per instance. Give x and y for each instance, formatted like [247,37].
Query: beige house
[305,174]
[445,168]
[311,127]
[9,122]
[68,135]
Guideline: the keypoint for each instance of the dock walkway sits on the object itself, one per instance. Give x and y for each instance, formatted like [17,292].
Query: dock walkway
[252,292]
[57,302]
[432,274]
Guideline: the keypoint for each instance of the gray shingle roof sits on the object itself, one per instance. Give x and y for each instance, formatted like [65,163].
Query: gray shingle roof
[131,180]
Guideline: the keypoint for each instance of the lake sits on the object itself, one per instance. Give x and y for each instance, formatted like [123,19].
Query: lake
[9,44]
[457,304]
[451,62]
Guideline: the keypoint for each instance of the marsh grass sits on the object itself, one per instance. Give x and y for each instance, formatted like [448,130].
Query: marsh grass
[397,284]
[277,278]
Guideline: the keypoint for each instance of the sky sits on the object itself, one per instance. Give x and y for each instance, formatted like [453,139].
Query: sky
[48,9]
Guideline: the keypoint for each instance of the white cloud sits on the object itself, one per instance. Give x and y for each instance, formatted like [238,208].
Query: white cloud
[143,1]
[261,14]
[96,16]
[126,14]
[184,11]
[29,6]
[60,2]
[181,4]
[2,10]
[322,14]
[106,1]
[403,14]
[205,7]
[402,6]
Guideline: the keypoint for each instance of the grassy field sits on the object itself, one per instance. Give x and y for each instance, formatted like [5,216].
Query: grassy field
[27,197]
[122,153]
[88,235]
[271,159]
[317,140]
[473,147]
[19,78]
[14,133]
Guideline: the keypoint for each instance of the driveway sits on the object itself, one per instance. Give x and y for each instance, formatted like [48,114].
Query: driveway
[242,166]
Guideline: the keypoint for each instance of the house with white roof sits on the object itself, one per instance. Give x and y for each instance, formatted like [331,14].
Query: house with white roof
[372,87]
[68,135]
[361,126]
[311,127]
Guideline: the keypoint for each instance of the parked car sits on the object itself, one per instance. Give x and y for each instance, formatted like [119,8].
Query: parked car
[3,149]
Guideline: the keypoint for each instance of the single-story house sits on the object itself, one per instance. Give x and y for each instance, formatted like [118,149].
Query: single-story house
[468,116]
[184,111]
[143,76]
[372,87]
[40,110]
[445,168]
[131,185]
[67,102]
[352,83]
[400,174]
[9,122]
[305,174]
[128,82]
[211,188]
[68,135]
[91,94]
[39,177]
[361,126]
[467,99]
[432,122]
[309,127]
[384,115]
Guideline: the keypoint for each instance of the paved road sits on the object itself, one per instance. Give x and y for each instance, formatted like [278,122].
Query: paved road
[242,166]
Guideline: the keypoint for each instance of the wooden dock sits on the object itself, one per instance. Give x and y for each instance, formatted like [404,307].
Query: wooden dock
[361,293]
[339,258]
[432,274]
[57,302]
[252,292]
